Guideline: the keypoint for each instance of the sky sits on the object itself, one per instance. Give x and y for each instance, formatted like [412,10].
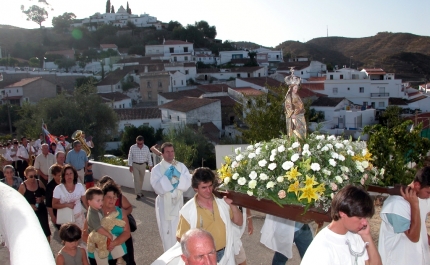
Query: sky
[265,22]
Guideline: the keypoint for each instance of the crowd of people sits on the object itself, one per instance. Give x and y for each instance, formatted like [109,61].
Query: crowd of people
[207,229]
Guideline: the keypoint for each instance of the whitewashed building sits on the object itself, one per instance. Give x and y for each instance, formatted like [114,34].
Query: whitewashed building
[191,111]
[172,50]
[119,19]
[226,56]
[116,100]
[230,73]
[138,116]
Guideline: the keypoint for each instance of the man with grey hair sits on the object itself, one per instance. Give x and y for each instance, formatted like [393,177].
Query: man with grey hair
[43,162]
[198,248]
[60,157]
[78,159]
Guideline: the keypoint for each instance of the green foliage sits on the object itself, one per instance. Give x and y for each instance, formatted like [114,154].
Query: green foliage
[34,62]
[84,110]
[54,57]
[13,111]
[391,117]
[65,63]
[108,53]
[150,135]
[252,59]
[36,14]
[108,6]
[394,147]
[191,147]
[208,31]
[264,121]
[314,116]
[112,10]
[62,23]
[9,61]
[137,49]
[90,80]
[103,31]
[173,24]
[117,161]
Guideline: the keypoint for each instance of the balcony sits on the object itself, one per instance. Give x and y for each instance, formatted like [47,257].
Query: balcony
[379,95]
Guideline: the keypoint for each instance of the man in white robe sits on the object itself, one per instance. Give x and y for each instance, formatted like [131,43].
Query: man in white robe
[403,237]
[169,179]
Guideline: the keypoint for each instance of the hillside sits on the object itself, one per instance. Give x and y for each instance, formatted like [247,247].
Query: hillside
[405,54]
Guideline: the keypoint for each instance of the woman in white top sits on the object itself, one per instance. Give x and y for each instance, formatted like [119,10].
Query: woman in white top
[69,194]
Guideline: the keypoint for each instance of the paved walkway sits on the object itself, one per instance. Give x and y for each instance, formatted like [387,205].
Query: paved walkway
[147,242]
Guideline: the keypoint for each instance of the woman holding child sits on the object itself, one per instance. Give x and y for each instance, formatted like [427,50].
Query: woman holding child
[121,234]
[69,194]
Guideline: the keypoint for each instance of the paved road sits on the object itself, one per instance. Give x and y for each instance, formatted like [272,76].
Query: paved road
[147,242]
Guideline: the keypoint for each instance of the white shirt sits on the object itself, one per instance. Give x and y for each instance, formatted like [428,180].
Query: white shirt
[139,155]
[74,196]
[24,151]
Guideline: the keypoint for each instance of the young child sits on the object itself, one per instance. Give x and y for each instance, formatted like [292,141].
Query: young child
[88,178]
[71,253]
[94,196]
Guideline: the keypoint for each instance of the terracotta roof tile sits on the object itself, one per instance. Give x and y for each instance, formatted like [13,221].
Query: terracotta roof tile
[226,101]
[314,78]
[374,71]
[307,93]
[108,46]
[194,93]
[138,113]
[416,99]
[313,86]
[327,102]
[187,104]
[209,130]
[263,81]
[24,82]
[248,91]
[115,96]
[213,88]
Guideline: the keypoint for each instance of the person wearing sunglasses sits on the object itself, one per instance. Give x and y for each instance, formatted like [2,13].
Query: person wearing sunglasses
[10,178]
[34,192]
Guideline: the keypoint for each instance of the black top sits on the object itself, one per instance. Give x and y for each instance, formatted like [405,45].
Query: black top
[50,193]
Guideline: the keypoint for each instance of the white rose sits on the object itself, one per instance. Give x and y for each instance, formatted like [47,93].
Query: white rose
[344,169]
[306,147]
[332,162]
[341,158]
[226,180]
[295,145]
[234,164]
[280,179]
[262,163]
[281,148]
[287,165]
[272,158]
[258,150]
[382,171]
[295,157]
[272,166]
[364,152]
[334,155]
[325,148]
[252,155]
[253,175]
[320,137]
[257,145]
[332,195]
[318,146]
[360,168]
[331,138]
[274,151]
[239,157]
[237,150]
[315,167]
[338,145]
[330,146]
[350,152]
[270,184]
[339,179]
[326,172]
[250,148]
[252,184]
[250,192]
[365,164]
[263,176]
[306,153]
[241,181]
[235,176]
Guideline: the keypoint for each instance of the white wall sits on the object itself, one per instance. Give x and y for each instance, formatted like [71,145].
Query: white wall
[207,113]
[21,230]
[222,151]
[226,56]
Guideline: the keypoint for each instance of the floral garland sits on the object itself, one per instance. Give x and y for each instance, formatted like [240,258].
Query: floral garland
[303,172]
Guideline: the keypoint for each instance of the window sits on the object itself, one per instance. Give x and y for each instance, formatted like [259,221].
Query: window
[170,117]
[301,72]
[361,89]
[149,95]
[182,82]
[175,59]
[171,50]
[178,118]
[200,59]
[186,58]
[123,106]
[348,88]
[341,76]
[331,77]
[185,49]
[334,90]
[382,104]
[238,75]
[160,84]
[148,84]
[174,82]
[186,72]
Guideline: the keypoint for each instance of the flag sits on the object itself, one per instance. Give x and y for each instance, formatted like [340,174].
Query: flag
[49,138]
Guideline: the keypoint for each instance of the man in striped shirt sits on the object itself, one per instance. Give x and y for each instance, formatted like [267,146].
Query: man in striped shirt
[138,157]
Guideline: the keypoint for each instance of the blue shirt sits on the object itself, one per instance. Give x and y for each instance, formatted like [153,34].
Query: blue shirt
[77,159]
[400,224]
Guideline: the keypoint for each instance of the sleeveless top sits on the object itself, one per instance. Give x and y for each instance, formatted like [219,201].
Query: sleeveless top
[72,260]
[30,196]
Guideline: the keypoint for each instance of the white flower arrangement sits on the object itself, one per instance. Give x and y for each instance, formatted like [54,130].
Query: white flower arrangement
[303,172]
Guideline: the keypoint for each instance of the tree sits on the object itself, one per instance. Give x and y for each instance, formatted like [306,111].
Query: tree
[130,133]
[65,63]
[391,116]
[108,6]
[34,62]
[112,9]
[81,81]
[173,24]
[62,23]
[36,14]
[137,49]
[128,9]
[264,121]
[208,31]
[84,110]
[393,148]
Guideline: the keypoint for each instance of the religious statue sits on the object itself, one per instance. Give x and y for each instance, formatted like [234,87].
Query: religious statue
[294,108]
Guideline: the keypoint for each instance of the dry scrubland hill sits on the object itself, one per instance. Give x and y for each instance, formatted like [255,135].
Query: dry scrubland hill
[405,54]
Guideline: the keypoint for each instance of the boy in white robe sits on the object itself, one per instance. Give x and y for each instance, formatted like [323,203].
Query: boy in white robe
[403,237]
[169,179]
